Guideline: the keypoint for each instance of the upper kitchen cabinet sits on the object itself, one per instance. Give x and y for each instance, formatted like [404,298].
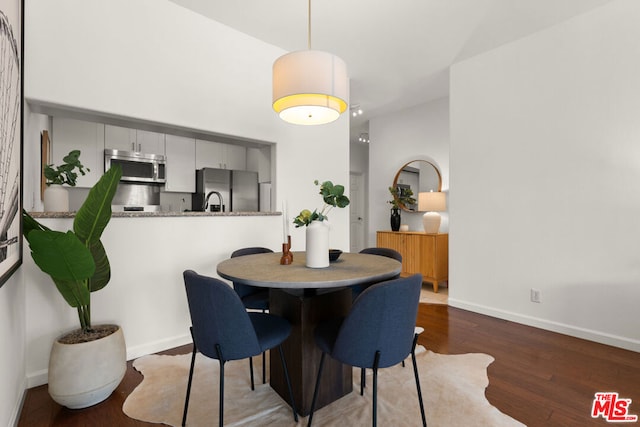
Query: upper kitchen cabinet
[211,154]
[127,139]
[88,137]
[181,164]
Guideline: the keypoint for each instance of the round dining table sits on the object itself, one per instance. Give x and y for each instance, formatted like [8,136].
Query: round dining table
[306,296]
[265,270]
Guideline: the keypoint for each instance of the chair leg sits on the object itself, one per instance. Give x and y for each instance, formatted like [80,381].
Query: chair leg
[315,391]
[264,364]
[363,380]
[415,371]
[186,400]
[221,404]
[251,372]
[286,376]
[376,360]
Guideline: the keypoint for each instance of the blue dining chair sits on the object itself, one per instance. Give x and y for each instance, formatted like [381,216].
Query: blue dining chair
[356,290]
[222,329]
[378,332]
[254,298]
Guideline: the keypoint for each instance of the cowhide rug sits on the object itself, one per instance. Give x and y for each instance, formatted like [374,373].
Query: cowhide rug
[452,386]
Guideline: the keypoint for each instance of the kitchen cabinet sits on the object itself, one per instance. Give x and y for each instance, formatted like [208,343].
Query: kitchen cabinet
[88,137]
[128,139]
[181,164]
[210,154]
[423,253]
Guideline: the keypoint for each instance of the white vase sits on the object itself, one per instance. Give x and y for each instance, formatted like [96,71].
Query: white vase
[56,198]
[317,244]
[84,374]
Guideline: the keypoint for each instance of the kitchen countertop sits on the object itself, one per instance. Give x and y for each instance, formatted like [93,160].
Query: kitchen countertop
[155,214]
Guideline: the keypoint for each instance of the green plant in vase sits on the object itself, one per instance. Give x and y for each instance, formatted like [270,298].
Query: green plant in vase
[77,263]
[317,231]
[401,199]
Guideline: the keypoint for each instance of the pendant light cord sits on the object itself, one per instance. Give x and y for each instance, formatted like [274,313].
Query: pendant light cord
[309,28]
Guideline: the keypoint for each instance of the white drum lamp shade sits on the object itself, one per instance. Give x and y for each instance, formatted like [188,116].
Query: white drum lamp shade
[432,202]
[310,87]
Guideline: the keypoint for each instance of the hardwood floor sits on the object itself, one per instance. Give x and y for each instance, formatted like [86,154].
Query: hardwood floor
[540,378]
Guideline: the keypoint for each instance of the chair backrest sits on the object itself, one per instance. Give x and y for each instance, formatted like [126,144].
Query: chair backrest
[389,253]
[219,317]
[244,290]
[383,318]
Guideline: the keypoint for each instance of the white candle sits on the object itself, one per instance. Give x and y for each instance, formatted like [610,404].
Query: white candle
[286,219]
[284,223]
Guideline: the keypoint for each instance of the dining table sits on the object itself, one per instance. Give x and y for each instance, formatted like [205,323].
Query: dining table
[306,296]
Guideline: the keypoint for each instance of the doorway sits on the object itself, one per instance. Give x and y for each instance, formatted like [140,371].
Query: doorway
[357,220]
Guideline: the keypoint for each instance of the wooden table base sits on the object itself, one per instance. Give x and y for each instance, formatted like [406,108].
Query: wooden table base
[304,311]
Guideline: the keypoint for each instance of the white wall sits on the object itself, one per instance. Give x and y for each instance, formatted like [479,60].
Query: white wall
[417,133]
[154,62]
[545,164]
[12,358]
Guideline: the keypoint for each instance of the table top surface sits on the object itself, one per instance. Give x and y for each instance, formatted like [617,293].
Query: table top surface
[264,270]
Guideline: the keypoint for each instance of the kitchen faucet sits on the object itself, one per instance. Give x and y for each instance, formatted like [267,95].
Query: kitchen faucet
[206,201]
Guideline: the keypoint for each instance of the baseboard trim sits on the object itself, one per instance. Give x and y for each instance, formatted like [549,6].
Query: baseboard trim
[548,325]
[156,346]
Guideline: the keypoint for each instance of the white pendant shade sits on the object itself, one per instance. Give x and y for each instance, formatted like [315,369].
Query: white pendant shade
[310,87]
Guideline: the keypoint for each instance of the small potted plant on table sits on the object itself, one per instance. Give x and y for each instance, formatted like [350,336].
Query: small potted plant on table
[56,197]
[317,232]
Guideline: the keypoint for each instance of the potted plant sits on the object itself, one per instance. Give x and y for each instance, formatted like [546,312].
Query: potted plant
[401,199]
[87,364]
[317,231]
[56,197]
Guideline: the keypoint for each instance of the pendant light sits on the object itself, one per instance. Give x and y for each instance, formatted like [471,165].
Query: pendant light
[310,87]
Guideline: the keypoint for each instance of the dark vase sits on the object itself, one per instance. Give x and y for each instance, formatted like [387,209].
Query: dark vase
[395,219]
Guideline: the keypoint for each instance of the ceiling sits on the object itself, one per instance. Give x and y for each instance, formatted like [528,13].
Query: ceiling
[398,52]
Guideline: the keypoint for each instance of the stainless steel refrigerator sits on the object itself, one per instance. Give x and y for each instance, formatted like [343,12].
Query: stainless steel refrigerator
[227,191]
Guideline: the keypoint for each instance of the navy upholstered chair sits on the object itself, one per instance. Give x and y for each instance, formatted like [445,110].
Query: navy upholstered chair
[254,298]
[378,332]
[222,329]
[356,290]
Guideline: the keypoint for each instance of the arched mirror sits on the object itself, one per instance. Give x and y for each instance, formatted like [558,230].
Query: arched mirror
[416,177]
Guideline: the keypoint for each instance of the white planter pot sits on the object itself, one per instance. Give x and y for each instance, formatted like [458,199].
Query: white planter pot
[84,374]
[317,236]
[56,198]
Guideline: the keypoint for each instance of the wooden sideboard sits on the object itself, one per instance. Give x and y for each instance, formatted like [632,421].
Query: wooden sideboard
[421,253]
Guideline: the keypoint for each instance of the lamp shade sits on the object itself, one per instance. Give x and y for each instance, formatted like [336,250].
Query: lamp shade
[310,87]
[433,201]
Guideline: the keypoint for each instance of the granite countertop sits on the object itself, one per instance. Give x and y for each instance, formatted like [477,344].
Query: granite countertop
[155,214]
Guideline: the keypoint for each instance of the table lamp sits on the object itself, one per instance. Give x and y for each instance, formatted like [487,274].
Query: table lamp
[431,203]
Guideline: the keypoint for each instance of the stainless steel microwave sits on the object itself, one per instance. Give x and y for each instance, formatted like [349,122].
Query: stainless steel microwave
[137,167]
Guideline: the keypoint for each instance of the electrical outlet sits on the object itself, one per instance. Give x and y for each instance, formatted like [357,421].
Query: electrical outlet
[535,295]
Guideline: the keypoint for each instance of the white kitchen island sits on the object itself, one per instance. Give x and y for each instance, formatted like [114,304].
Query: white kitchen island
[148,253]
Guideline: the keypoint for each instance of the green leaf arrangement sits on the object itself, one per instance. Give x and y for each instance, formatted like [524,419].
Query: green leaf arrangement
[65,173]
[332,195]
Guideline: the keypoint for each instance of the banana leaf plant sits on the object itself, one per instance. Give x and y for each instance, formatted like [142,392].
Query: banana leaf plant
[76,260]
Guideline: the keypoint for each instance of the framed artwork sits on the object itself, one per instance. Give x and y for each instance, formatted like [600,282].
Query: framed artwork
[11,23]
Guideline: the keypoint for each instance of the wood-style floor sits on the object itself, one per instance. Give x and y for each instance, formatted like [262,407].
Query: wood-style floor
[538,377]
